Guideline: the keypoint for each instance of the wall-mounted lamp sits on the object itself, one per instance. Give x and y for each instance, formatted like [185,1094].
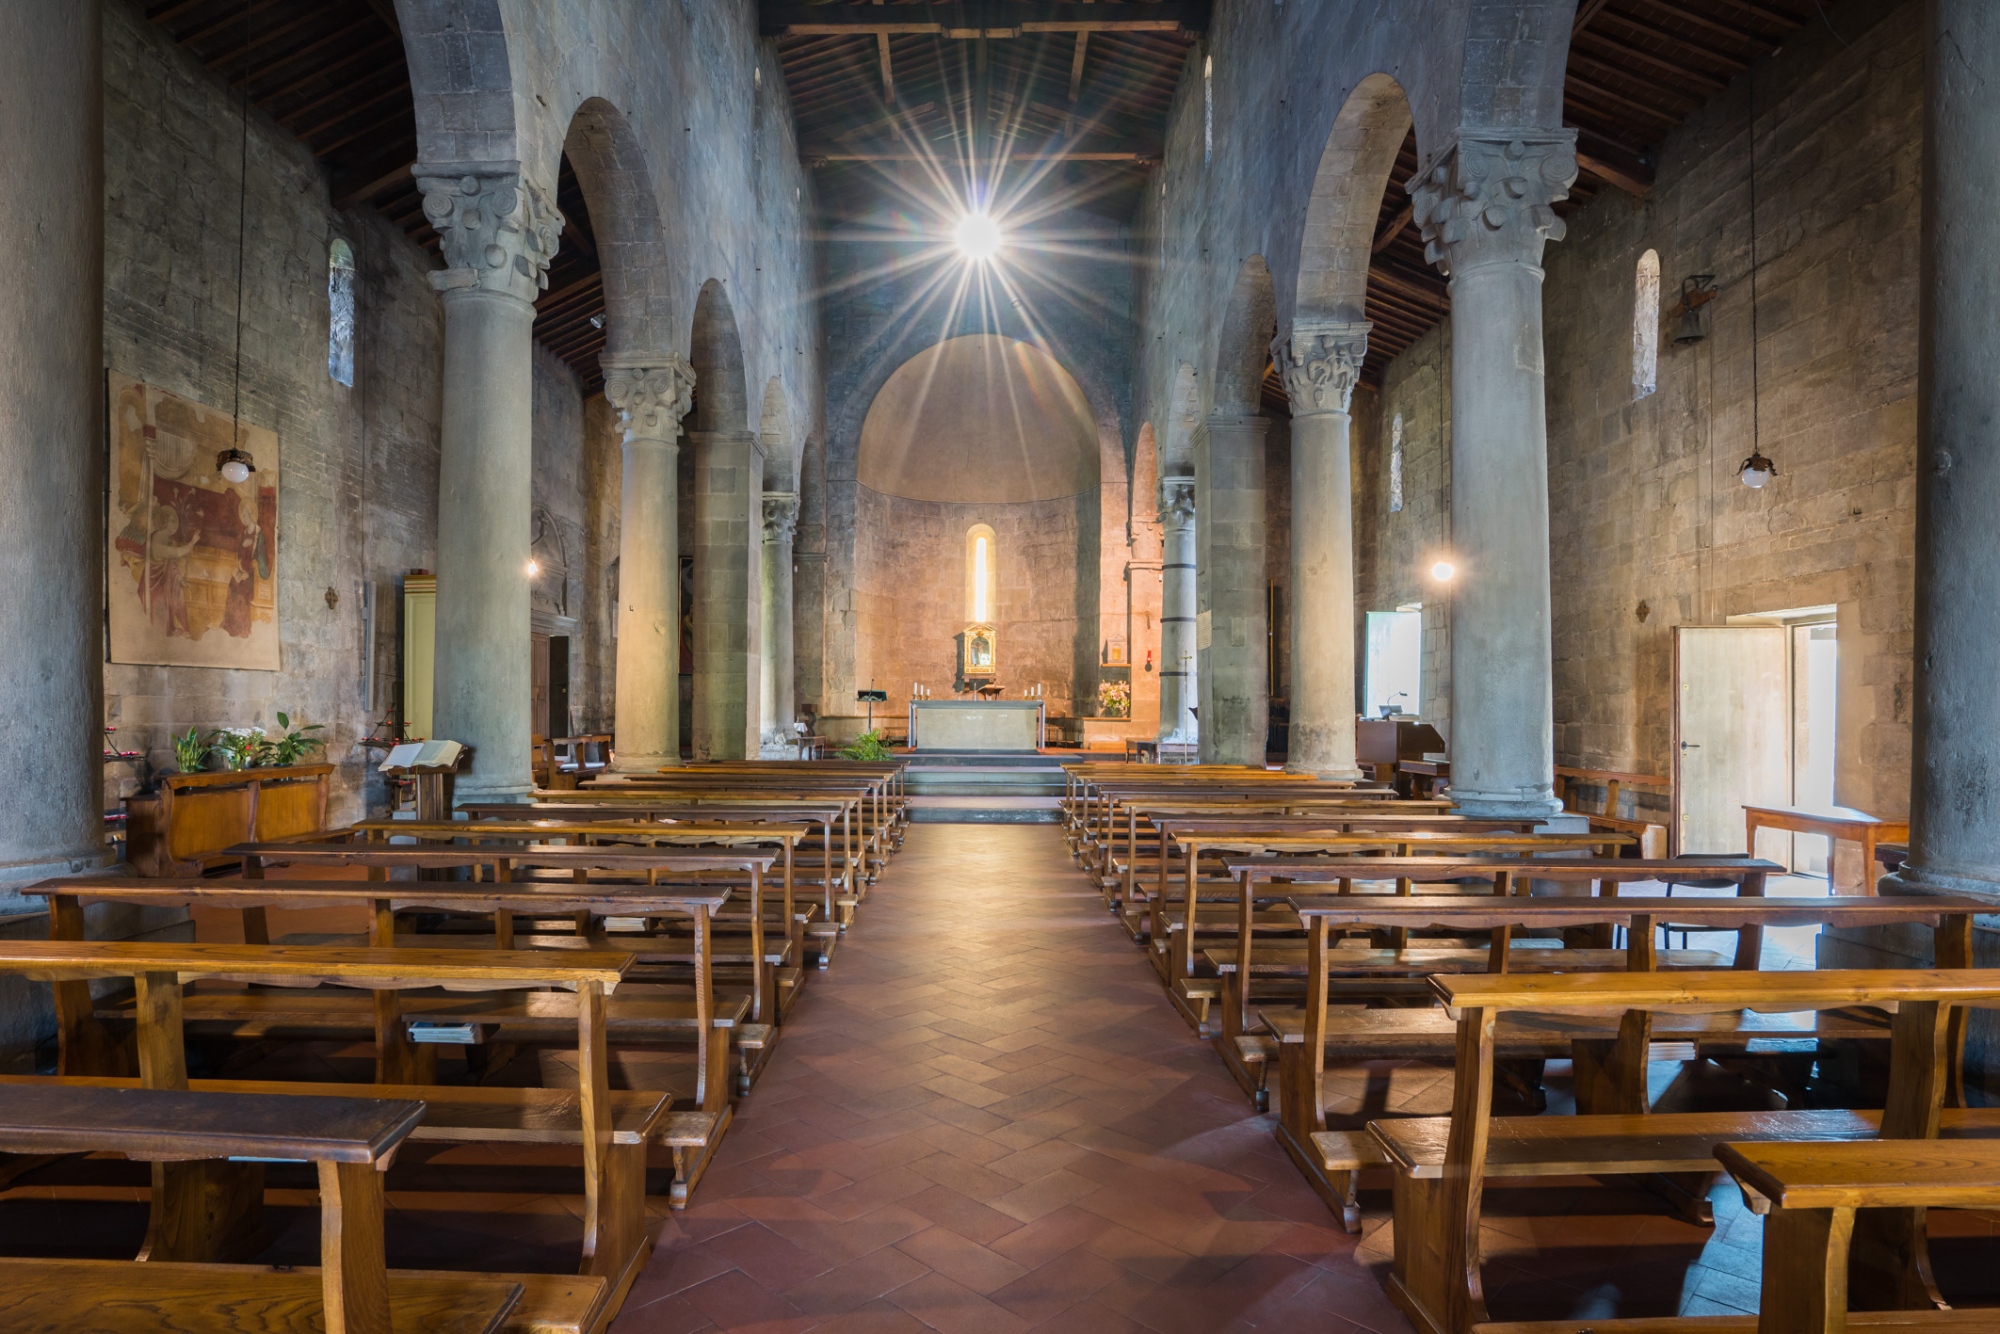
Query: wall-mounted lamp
[1756,470]
[235,465]
[1696,292]
[1149,660]
[534,568]
[1443,571]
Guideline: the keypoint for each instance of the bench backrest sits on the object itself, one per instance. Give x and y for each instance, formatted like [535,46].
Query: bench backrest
[170,1125]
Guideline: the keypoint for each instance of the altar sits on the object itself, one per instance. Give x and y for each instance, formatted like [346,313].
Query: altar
[984,724]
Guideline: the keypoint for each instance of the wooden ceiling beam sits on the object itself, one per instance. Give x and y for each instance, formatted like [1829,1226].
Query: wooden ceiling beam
[1706,82]
[1678,41]
[961,19]
[364,184]
[1637,182]
[1387,236]
[1685,15]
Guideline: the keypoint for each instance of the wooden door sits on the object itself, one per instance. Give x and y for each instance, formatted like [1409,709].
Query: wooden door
[1731,730]
[558,715]
[538,690]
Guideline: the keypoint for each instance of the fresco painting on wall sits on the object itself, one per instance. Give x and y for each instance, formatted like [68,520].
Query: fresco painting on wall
[193,557]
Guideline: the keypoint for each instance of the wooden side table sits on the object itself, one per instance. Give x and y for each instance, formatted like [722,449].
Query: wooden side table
[1833,822]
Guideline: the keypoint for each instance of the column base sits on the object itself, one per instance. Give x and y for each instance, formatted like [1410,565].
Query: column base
[15,875]
[642,764]
[1307,769]
[466,789]
[1919,882]
[1514,805]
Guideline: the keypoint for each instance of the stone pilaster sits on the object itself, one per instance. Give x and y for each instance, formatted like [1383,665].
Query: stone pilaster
[1484,204]
[726,515]
[652,394]
[1320,363]
[1178,680]
[52,460]
[1235,664]
[498,233]
[776,709]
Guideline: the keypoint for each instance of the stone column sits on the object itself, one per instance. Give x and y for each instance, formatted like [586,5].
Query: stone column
[1483,203]
[1321,363]
[498,234]
[1235,667]
[723,503]
[1955,735]
[51,447]
[1178,680]
[774,693]
[652,394]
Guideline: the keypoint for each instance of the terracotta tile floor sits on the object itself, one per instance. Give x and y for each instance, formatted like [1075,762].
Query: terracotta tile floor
[985,1117]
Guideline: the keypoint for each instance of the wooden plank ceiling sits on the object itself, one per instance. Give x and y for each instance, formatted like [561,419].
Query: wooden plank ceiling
[1076,91]
[332,72]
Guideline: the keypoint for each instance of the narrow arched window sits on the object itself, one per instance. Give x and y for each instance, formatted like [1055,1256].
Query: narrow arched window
[1646,326]
[1207,109]
[982,575]
[340,308]
[1396,465]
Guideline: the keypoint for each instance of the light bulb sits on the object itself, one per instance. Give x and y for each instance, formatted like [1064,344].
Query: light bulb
[979,237]
[534,568]
[1443,571]
[1757,470]
[235,465]
[233,471]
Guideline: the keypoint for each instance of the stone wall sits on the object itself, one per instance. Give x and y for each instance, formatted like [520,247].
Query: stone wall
[358,467]
[1394,550]
[1645,505]
[911,592]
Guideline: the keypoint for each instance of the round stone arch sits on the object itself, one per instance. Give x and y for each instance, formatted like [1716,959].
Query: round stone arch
[617,185]
[774,430]
[462,77]
[1346,201]
[1184,414]
[715,350]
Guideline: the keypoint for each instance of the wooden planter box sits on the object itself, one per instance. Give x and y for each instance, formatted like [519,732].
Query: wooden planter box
[180,829]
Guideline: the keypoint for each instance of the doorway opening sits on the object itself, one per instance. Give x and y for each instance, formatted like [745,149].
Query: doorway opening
[1754,722]
[548,676]
[1395,664]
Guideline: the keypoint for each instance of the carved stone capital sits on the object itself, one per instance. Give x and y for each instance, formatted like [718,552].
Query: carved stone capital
[1485,197]
[1176,503]
[651,394]
[781,516]
[1320,363]
[498,232]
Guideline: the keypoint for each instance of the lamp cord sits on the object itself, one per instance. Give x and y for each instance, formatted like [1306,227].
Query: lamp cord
[1756,422]
[242,216]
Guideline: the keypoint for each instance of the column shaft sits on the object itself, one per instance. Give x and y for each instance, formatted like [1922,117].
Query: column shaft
[1483,203]
[1178,679]
[651,393]
[774,695]
[51,441]
[1954,803]
[1321,363]
[1235,667]
[723,596]
[498,235]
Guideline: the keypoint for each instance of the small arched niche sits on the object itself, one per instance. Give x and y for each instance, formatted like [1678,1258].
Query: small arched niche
[981,419]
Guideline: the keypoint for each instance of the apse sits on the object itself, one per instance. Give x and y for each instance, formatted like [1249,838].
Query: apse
[977,505]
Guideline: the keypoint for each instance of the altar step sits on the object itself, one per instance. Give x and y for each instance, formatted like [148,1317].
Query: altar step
[1042,779]
[984,810]
[984,788]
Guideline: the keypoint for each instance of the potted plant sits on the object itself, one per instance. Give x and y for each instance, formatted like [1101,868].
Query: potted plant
[191,751]
[295,744]
[239,747]
[1114,699]
[867,748]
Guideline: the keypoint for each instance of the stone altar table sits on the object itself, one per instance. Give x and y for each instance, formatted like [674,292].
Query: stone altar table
[997,724]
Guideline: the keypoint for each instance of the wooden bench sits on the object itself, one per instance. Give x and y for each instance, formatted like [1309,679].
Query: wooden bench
[1307,1039]
[1174,951]
[1652,835]
[503,1021]
[1833,823]
[1808,1191]
[208,1211]
[349,1140]
[1436,1272]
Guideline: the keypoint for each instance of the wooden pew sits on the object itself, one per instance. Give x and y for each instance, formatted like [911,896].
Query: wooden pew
[514,1017]
[1808,1193]
[1175,953]
[1652,835]
[505,862]
[350,1140]
[785,974]
[1436,1278]
[1608,1080]
[207,1211]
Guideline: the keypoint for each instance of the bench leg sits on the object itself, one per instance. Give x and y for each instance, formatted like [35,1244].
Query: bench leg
[1805,1271]
[207,1212]
[353,1268]
[622,1244]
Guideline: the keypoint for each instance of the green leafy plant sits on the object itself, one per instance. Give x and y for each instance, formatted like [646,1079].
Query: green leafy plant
[294,745]
[239,747]
[190,751]
[866,747]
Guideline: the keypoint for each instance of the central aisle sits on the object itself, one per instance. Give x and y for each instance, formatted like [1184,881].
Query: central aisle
[986,1117]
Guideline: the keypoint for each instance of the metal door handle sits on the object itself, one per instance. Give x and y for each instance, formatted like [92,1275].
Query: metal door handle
[1690,745]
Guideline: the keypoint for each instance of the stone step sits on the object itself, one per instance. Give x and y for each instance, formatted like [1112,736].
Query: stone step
[984,810]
